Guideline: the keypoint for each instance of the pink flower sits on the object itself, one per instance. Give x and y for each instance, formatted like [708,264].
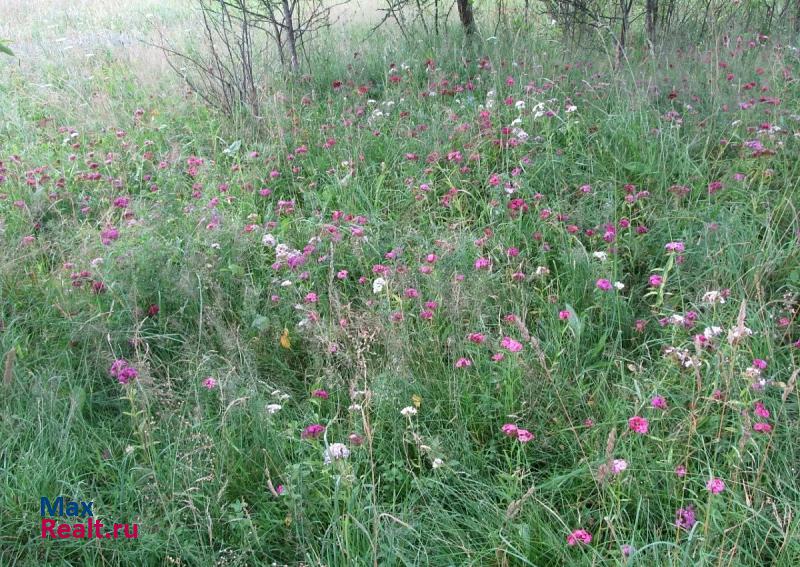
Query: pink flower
[658,402]
[715,485]
[638,424]
[680,471]
[619,465]
[341,274]
[603,284]
[684,518]
[312,431]
[655,280]
[463,362]
[762,427]
[760,364]
[675,247]
[523,435]
[498,356]
[411,293]
[477,338]
[209,383]
[509,429]
[322,394]
[760,410]
[563,314]
[483,264]
[579,537]
[510,344]
[311,297]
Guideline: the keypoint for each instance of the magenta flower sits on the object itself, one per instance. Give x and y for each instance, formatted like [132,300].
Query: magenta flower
[477,338]
[577,537]
[509,429]
[760,410]
[655,280]
[658,402]
[638,424]
[760,363]
[603,284]
[322,394]
[483,264]
[523,435]
[684,518]
[510,344]
[680,471]
[675,247]
[762,427]
[122,371]
[463,362]
[563,314]
[312,431]
[715,485]
[209,383]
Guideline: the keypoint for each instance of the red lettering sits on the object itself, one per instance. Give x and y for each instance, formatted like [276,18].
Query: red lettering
[47,527]
[64,531]
[135,533]
[116,528]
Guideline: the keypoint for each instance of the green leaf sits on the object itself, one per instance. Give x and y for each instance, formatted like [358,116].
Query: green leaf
[5,49]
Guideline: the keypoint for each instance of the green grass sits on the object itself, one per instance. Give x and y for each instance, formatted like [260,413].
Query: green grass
[196,468]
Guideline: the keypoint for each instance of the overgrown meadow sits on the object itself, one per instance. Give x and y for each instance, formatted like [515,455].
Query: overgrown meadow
[443,304]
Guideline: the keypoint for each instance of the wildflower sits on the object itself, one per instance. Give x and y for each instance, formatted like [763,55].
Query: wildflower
[341,274]
[320,394]
[209,383]
[273,408]
[122,371]
[627,550]
[658,402]
[760,364]
[684,518]
[542,271]
[335,452]
[477,338]
[411,293]
[408,411]
[674,247]
[312,431]
[463,363]
[509,429]
[619,465]
[510,344]
[762,427]
[563,314]
[602,256]
[638,424]
[437,462]
[712,297]
[378,285]
[311,297]
[355,439]
[483,264]
[680,471]
[603,284]
[619,286]
[715,485]
[579,537]
[523,435]
[760,410]
[655,280]
[498,356]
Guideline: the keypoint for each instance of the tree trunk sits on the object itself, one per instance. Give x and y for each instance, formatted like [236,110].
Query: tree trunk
[625,7]
[651,17]
[466,16]
[288,24]
[797,17]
